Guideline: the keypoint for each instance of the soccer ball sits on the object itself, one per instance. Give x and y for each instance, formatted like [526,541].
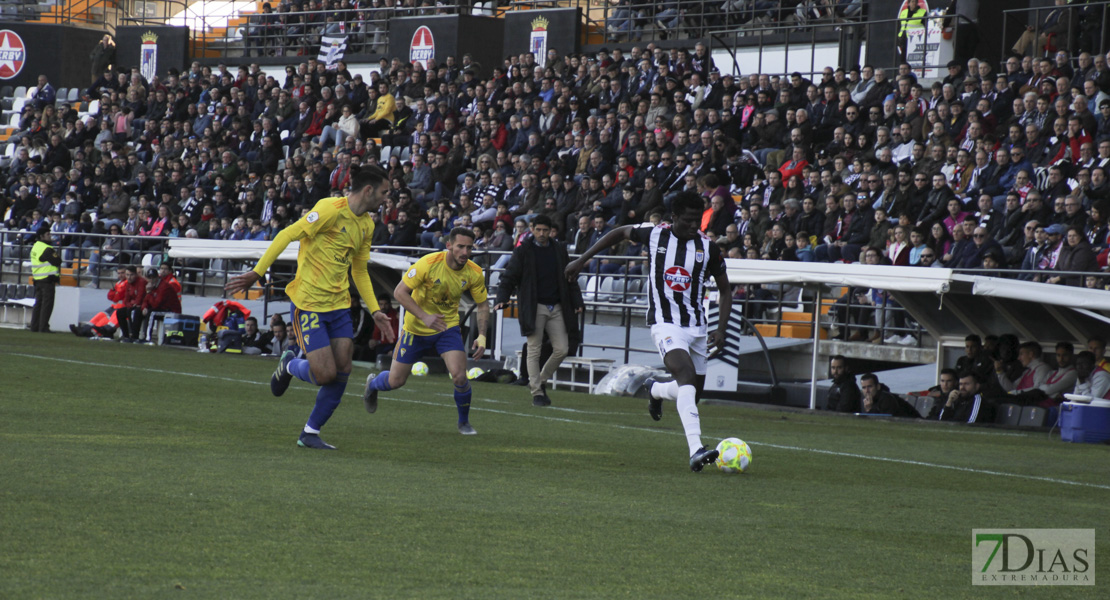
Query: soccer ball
[735,455]
[474,373]
[420,369]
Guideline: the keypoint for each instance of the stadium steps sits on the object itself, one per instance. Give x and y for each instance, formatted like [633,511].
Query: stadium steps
[255,293]
[77,12]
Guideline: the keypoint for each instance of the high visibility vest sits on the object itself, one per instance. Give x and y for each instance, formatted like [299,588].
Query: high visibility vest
[916,20]
[40,269]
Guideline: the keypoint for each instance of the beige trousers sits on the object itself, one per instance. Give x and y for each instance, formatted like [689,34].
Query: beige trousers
[551,321]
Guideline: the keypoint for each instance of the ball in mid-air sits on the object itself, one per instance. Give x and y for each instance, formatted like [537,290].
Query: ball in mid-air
[474,373]
[420,369]
[735,455]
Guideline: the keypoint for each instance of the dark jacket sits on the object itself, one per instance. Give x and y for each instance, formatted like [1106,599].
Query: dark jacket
[844,395]
[520,277]
[887,403]
[969,410]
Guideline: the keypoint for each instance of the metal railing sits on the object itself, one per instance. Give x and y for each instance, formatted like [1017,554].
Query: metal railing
[620,303]
[848,35]
[1085,28]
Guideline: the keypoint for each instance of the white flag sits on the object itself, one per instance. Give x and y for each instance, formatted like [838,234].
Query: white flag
[332,50]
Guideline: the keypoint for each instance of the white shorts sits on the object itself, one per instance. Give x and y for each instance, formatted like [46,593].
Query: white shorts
[692,340]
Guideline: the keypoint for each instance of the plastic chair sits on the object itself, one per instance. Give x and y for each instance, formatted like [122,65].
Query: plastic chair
[1008,415]
[1033,416]
[924,405]
[74,95]
[6,91]
[21,92]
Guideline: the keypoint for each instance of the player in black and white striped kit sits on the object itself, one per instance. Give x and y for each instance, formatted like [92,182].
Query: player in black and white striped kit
[682,261]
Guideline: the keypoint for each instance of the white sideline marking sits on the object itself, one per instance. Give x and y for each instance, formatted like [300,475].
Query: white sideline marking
[611,425]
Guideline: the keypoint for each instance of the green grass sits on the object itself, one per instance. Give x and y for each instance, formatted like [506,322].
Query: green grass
[180,470]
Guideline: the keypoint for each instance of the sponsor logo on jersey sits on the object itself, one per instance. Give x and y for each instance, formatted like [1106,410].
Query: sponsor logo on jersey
[677,278]
[312,217]
[411,273]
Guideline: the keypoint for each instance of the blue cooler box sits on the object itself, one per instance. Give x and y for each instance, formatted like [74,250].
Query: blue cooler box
[1083,423]
[181,330]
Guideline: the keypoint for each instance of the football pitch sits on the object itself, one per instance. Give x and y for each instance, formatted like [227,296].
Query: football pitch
[139,472]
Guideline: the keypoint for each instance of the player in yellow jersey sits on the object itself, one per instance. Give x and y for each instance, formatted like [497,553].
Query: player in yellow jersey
[335,237]
[430,291]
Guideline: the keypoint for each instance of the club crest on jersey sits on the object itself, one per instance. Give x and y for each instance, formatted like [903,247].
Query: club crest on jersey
[677,278]
[312,217]
[699,256]
[412,272]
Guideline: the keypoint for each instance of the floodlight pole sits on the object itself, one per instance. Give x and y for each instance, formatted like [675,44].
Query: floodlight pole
[816,348]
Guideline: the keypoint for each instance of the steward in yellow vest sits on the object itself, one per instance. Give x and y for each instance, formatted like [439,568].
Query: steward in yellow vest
[46,271]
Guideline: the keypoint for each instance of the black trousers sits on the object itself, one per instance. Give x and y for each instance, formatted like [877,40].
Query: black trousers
[130,321]
[44,305]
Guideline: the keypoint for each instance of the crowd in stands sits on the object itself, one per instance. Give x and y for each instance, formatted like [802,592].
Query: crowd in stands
[994,371]
[991,167]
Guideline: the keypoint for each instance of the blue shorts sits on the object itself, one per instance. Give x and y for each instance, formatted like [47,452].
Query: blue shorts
[411,347]
[315,330]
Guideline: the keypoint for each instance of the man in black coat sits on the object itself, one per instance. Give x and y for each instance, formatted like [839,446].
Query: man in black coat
[844,395]
[877,400]
[546,301]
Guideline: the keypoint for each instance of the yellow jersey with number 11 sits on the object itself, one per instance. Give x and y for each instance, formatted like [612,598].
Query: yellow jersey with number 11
[437,288]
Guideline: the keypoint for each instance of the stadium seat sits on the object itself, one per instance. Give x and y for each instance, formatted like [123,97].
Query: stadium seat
[6,103]
[582,281]
[20,92]
[60,97]
[494,278]
[1033,416]
[1008,415]
[924,405]
[3,293]
[6,91]
[74,95]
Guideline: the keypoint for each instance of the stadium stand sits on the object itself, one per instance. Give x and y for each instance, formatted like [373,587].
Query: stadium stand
[997,169]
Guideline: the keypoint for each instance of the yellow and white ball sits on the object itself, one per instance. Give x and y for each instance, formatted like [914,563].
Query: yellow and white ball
[735,455]
[420,369]
[474,373]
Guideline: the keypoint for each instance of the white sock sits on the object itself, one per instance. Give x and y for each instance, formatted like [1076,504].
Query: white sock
[308,429]
[688,412]
[665,391]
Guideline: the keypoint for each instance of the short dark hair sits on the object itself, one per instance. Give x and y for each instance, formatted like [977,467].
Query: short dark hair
[974,338]
[456,232]
[685,201]
[950,371]
[369,175]
[543,220]
[869,376]
[1033,347]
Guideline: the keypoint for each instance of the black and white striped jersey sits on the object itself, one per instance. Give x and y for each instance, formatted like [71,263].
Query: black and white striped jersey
[677,274]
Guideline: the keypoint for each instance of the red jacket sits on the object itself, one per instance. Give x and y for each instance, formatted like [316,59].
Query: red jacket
[163,298]
[127,294]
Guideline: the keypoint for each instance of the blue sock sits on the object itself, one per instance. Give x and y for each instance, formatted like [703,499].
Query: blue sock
[299,368]
[381,382]
[462,402]
[327,400]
